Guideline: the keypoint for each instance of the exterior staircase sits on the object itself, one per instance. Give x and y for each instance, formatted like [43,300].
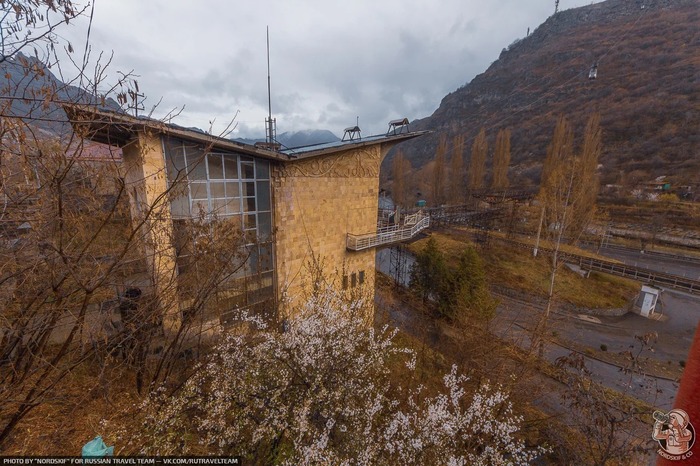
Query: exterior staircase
[413,224]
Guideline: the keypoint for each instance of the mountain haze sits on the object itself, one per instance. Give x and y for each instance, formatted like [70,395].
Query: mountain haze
[648,56]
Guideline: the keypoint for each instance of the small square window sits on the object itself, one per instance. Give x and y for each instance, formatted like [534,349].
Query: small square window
[345,282]
[362,277]
[353,280]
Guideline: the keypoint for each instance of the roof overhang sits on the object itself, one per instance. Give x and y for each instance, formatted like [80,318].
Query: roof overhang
[120,129]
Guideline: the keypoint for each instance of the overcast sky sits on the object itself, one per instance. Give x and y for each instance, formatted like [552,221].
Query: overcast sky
[331,61]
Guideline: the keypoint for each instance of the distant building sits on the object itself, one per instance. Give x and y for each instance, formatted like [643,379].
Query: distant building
[296,204]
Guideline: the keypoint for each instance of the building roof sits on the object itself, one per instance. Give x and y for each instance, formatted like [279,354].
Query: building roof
[120,129]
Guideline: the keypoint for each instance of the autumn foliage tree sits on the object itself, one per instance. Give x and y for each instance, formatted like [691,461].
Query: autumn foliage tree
[400,170]
[568,192]
[439,172]
[569,185]
[501,160]
[457,174]
[477,163]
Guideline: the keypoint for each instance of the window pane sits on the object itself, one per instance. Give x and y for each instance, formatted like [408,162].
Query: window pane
[248,189]
[180,207]
[253,259]
[218,206]
[263,195]
[249,221]
[199,208]
[248,170]
[249,204]
[216,188]
[232,189]
[231,166]
[262,169]
[233,206]
[199,190]
[216,167]
[175,156]
[235,221]
[265,225]
[265,257]
[195,162]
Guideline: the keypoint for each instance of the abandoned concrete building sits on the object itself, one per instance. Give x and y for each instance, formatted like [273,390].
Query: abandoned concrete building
[294,205]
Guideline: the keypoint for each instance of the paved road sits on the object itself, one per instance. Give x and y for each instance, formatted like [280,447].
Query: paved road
[618,336]
[660,264]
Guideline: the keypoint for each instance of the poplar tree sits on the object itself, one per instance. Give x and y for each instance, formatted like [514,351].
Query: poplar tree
[400,173]
[556,170]
[438,185]
[457,170]
[477,163]
[568,193]
[501,160]
[587,183]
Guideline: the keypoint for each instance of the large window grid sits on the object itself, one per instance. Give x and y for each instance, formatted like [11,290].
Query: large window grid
[230,186]
[217,185]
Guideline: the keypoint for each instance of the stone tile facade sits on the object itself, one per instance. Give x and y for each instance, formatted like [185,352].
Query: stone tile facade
[318,201]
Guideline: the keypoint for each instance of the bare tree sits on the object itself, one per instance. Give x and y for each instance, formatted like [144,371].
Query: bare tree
[30,26]
[477,163]
[72,254]
[501,160]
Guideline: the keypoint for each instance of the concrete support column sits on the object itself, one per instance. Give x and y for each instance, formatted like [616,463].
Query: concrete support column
[147,185]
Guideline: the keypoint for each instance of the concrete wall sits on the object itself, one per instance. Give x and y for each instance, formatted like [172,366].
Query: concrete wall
[317,202]
[146,182]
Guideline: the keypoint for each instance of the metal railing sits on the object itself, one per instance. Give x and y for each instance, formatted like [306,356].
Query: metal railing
[641,274]
[412,226]
[646,252]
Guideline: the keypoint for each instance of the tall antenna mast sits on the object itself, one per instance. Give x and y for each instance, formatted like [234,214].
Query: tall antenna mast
[270,123]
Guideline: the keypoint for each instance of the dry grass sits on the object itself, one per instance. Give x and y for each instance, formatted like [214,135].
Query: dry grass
[517,269]
[76,412]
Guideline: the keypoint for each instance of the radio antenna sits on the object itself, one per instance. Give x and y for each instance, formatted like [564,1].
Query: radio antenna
[270,123]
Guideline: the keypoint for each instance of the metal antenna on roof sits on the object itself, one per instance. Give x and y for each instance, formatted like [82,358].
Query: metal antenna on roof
[269,123]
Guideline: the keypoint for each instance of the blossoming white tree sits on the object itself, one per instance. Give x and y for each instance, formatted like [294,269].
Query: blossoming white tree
[321,392]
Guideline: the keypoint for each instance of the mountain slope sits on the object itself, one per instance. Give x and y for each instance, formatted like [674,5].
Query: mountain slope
[299,138]
[648,55]
[30,91]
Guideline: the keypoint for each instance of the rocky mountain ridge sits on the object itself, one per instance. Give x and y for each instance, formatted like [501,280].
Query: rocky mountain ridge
[648,56]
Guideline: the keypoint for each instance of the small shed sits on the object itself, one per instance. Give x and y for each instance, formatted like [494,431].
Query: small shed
[647,300]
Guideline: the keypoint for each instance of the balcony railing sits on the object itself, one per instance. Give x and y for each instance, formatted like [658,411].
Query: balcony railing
[413,224]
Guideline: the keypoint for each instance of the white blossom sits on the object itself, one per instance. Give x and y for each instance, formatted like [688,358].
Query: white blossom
[322,389]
